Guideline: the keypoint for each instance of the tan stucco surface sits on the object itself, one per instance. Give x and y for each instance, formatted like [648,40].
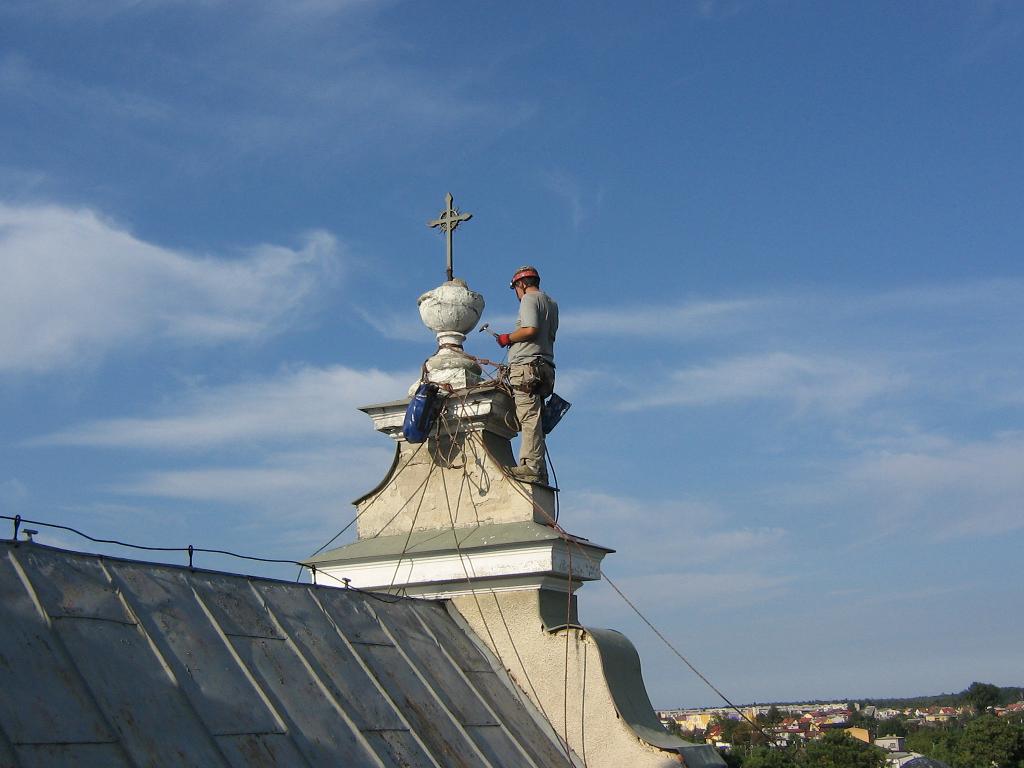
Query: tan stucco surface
[451,479]
[562,673]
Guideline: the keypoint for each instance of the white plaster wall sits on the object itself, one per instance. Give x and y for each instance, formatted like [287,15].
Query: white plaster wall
[565,681]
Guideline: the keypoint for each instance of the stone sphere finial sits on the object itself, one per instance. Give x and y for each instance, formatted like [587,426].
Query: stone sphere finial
[451,310]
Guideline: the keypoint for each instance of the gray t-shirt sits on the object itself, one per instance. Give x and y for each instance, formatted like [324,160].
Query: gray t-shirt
[536,310]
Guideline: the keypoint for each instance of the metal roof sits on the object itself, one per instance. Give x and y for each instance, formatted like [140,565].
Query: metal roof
[107,662]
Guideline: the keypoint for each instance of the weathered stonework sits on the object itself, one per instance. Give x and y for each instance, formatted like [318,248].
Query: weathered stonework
[456,476]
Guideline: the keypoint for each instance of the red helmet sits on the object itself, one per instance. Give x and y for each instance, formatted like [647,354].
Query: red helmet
[522,272]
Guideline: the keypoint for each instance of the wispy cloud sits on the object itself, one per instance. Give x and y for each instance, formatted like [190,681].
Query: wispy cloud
[682,321]
[368,90]
[810,383]
[580,200]
[75,286]
[308,484]
[19,78]
[300,404]
[396,327]
[13,493]
[103,9]
[971,488]
[637,526]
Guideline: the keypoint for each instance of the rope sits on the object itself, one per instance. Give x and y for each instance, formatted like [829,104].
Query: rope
[583,709]
[565,678]
[412,525]
[473,591]
[572,542]
[373,501]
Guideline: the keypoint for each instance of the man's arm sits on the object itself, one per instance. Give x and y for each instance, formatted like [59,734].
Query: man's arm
[519,334]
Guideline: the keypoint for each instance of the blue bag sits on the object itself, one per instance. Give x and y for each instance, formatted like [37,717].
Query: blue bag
[420,415]
[552,412]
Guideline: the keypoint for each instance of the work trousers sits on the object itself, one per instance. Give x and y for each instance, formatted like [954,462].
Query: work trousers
[528,408]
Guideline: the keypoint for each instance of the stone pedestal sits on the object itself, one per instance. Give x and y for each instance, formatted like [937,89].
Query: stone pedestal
[455,477]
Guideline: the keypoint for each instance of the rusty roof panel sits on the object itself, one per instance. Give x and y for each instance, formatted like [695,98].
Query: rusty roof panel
[323,736]
[79,588]
[221,692]
[261,750]
[136,694]
[522,725]
[6,751]
[514,716]
[59,708]
[441,675]
[447,744]
[236,610]
[495,744]
[331,659]
[156,665]
[71,756]
[352,612]
[399,748]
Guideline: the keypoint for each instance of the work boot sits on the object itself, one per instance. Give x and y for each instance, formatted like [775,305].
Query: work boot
[528,474]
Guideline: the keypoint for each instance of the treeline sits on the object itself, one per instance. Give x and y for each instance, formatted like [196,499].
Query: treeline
[985,693]
[1004,695]
[982,742]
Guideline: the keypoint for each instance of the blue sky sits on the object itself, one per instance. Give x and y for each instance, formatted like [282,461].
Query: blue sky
[785,237]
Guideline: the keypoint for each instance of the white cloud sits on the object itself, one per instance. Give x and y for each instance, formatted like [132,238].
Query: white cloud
[305,483]
[406,326]
[101,10]
[19,77]
[962,489]
[302,404]
[76,286]
[686,321]
[821,383]
[724,589]
[579,200]
[13,493]
[700,534]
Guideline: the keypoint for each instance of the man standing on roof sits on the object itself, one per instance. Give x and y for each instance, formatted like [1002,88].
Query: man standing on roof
[531,359]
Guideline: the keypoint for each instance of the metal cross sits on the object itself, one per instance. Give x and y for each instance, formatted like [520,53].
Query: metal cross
[448,220]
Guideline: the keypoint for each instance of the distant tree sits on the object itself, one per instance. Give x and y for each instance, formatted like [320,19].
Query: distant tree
[772,717]
[990,741]
[728,726]
[859,720]
[981,696]
[744,734]
[892,726]
[734,759]
[938,743]
[837,749]
[769,757]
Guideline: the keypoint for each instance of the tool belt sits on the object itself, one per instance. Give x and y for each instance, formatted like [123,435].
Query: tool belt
[538,378]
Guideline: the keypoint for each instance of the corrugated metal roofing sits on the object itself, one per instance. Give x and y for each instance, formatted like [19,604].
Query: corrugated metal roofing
[107,662]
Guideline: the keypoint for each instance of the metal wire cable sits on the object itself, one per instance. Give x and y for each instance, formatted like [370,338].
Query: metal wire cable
[18,520]
[373,501]
[473,591]
[570,540]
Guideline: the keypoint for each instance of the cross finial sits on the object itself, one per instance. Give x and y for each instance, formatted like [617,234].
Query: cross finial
[448,220]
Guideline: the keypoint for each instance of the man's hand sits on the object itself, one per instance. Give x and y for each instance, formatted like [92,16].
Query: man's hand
[503,340]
